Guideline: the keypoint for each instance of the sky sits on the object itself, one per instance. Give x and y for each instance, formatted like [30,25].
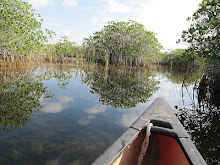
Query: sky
[78,19]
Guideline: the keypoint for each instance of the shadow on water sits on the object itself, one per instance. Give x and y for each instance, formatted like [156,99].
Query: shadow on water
[202,121]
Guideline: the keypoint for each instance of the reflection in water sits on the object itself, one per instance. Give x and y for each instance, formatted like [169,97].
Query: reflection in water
[86,120]
[122,87]
[20,98]
[182,75]
[89,110]
[96,109]
[56,107]
[204,129]
[203,120]
[68,129]
[209,88]
[61,73]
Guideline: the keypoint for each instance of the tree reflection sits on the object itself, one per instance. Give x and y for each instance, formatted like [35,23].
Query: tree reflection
[203,121]
[60,72]
[188,76]
[20,98]
[122,87]
[209,88]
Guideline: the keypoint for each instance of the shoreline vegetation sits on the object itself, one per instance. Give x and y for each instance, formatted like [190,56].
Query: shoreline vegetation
[117,46]
[22,40]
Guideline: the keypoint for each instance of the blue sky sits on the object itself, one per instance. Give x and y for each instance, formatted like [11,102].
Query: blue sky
[80,18]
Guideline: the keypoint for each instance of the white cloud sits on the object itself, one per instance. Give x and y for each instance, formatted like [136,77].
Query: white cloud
[70,3]
[59,34]
[67,33]
[73,36]
[55,107]
[117,7]
[129,118]
[50,22]
[40,3]
[100,21]
[86,120]
[166,18]
[96,109]
[131,115]
[65,99]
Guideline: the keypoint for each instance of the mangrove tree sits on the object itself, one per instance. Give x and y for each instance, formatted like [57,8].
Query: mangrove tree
[123,43]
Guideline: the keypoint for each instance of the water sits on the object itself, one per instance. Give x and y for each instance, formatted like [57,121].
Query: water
[57,114]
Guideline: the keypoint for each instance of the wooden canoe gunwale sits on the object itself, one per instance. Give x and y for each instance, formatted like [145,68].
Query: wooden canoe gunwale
[160,111]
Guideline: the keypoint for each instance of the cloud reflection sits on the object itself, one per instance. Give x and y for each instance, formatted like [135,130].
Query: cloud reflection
[55,107]
[65,99]
[92,111]
[86,121]
[133,114]
[96,109]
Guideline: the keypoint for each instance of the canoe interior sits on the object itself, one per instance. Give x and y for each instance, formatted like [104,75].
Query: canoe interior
[161,150]
[163,147]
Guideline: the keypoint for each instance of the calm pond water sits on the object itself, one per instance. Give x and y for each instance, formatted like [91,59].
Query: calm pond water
[57,114]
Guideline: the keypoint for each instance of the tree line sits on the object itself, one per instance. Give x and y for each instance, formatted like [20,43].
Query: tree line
[62,50]
[119,43]
[22,36]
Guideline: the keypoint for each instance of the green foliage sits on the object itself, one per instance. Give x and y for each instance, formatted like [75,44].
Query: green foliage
[203,36]
[61,73]
[178,57]
[202,120]
[125,43]
[19,100]
[208,88]
[67,48]
[62,49]
[185,76]
[204,129]
[124,88]
[20,29]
